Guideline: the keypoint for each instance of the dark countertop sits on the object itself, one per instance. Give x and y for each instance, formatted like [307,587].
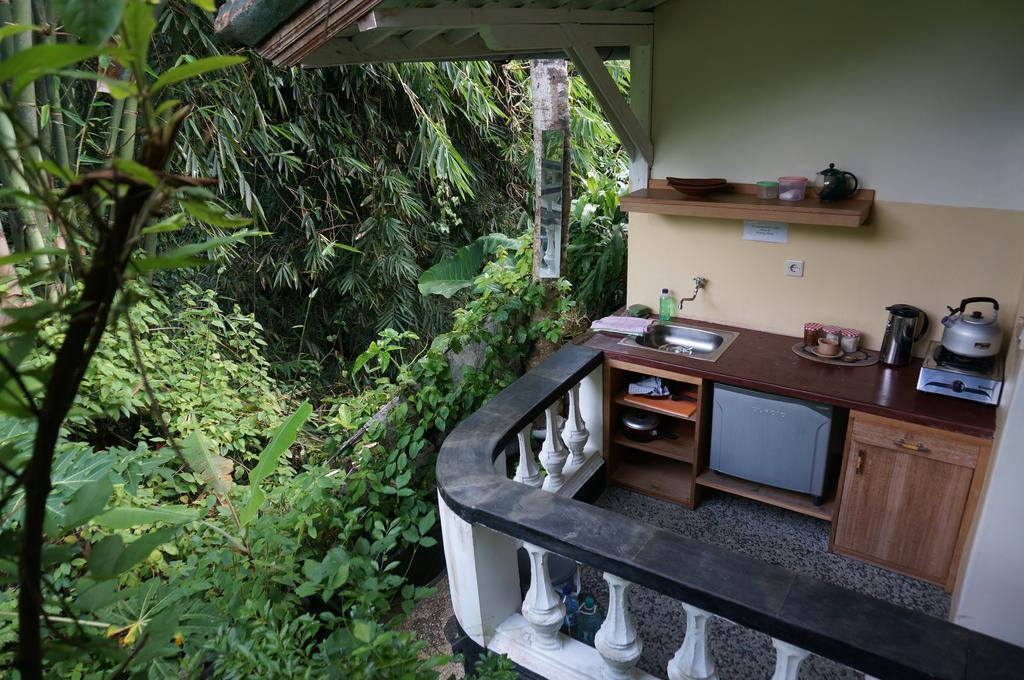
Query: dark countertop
[766,362]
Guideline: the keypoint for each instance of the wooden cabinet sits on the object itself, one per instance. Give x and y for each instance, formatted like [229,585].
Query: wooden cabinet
[907,495]
[664,467]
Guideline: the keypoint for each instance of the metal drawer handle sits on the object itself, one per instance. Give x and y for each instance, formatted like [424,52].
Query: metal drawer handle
[919,447]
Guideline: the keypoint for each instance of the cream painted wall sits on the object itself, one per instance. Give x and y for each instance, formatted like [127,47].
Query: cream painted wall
[928,256]
[922,99]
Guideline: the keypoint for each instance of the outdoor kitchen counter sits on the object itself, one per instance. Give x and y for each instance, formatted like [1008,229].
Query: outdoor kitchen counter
[766,362]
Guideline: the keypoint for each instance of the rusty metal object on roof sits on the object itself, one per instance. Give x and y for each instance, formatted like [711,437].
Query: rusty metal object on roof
[248,22]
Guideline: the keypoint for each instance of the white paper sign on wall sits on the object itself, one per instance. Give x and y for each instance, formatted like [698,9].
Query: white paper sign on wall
[769,232]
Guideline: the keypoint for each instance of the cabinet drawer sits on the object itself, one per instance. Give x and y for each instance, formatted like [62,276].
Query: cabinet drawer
[932,444]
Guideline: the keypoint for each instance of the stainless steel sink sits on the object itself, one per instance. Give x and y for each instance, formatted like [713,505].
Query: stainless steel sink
[697,343]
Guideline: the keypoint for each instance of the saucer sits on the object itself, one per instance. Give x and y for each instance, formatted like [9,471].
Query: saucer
[815,352]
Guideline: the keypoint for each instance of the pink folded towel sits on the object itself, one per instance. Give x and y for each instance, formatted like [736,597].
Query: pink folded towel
[622,324]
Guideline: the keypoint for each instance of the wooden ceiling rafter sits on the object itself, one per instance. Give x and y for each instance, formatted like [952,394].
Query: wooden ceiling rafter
[338,32]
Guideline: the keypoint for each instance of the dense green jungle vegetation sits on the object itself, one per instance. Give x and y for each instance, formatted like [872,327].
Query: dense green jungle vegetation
[222,400]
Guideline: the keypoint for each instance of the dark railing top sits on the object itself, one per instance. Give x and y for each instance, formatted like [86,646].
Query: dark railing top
[876,637]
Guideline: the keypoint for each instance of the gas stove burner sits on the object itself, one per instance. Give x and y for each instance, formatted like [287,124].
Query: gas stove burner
[676,349]
[946,359]
[976,378]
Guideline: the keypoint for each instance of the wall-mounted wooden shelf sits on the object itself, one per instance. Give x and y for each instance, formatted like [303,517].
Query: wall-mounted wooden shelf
[742,203]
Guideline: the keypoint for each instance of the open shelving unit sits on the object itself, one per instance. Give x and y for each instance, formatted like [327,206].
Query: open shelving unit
[680,447]
[790,500]
[665,466]
[676,468]
[742,203]
[655,476]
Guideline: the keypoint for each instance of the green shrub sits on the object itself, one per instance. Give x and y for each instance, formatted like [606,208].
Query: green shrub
[298,572]
[205,365]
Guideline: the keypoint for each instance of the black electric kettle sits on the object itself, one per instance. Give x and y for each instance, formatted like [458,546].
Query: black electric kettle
[833,185]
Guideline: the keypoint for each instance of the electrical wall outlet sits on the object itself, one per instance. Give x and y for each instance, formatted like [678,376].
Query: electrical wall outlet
[794,267]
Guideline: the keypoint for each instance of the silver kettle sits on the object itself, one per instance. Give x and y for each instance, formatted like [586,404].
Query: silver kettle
[975,334]
[906,325]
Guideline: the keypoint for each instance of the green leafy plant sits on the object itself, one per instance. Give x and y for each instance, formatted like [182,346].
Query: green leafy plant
[206,363]
[457,272]
[93,222]
[495,667]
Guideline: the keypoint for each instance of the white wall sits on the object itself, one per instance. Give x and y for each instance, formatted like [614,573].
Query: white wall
[990,593]
[922,99]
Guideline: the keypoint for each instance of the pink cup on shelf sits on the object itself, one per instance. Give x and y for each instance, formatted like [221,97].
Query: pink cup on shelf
[792,188]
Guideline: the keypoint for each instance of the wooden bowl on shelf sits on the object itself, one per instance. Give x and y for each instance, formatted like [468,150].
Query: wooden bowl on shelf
[697,186]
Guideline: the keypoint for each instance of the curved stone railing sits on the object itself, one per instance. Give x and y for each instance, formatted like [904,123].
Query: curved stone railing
[486,516]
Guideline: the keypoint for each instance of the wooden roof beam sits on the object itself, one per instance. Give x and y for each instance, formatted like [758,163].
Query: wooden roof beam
[467,17]
[369,39]
[631,132]
[547,37]
[457,36]
[341,51]
[416,38]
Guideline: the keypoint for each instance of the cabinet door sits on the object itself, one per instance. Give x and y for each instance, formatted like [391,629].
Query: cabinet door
[902,509]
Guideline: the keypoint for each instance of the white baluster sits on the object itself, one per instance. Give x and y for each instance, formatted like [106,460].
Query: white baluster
[577,434]
[694,661]
[554,453]
[616,642]
[527,471]
[542,608]
[787,660]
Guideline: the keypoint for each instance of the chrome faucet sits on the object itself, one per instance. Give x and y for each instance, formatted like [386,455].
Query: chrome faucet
[698,283]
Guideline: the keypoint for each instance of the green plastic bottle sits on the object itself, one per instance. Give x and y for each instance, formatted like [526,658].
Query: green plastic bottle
[666,306]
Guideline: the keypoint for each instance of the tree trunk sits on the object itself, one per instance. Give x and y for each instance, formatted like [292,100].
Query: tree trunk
[549,80]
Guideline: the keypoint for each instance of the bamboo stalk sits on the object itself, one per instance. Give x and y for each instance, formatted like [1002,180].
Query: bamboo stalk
[17,228]
[25,116]
[17,231]
[9,284]
[45,128]
[129,128]
[30,218]
[6,45]
[44,86]
[116,113]
[60,136]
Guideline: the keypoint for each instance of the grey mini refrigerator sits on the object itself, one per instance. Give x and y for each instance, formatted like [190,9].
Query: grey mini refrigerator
[777,441]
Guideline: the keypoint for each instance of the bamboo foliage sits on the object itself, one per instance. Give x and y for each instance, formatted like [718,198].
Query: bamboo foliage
[364,176]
